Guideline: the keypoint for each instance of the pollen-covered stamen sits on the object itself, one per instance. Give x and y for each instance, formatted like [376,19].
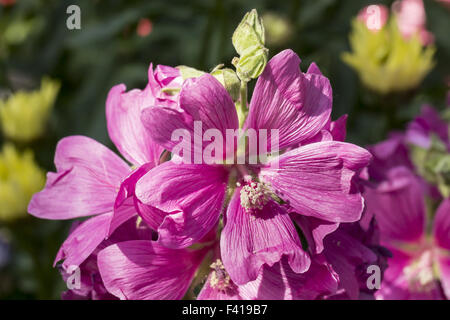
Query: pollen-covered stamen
[220,280]
[254,196]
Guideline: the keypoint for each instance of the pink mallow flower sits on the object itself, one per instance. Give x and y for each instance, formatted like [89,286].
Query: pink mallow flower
[417,235]
[420,266]
[91,180]
[183,202]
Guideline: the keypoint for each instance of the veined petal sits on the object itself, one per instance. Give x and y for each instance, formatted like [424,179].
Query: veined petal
[123,115]
[203,100]
[315,230]
[250,241]
[124,206]
[84,240]
[316,180]
[144,270]
[297,104]
[86,182]
[184,201]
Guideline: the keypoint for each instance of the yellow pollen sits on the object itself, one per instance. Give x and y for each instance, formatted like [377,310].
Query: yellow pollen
[254,196]
[220,279]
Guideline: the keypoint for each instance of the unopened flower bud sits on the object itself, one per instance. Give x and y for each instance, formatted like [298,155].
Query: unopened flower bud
[188,72]
[248,40]
[229,80]
[251,64]
[249,33]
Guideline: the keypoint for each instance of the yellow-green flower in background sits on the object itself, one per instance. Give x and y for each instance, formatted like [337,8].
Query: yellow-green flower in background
[278,29]
[20,178]
[385,59]
[24,114]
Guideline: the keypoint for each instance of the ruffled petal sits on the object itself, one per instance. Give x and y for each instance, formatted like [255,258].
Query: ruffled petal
[144,270]
[183,201]
[315,230]
[203,100]
[123,115]
[338,128]
[317,180]
[250,241]
[279,282]
[86,182]
[398,206]
[124,206]
[295,103]
[82,241]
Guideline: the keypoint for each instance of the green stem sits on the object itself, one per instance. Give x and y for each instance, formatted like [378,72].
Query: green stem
[243,103]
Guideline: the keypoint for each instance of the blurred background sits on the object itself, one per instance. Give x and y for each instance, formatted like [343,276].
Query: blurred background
[54,82]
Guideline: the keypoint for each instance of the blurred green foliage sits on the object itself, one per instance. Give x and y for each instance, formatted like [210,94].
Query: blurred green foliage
[34,42]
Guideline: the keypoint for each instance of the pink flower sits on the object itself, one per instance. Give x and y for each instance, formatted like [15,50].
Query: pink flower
[418,238]
[145,270]
[411,19]
[184,201]
[93,181]
[374,16]
[91,282]
[400,211]
[144,27]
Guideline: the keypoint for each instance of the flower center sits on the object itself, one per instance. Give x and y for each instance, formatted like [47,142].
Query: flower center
[220,280]
[420,274]
[254,196]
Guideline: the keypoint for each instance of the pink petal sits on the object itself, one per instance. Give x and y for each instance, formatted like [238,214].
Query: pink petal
[124,206]
[184,201]
[338,128]
[279,282]
[295,103]
[316,180]
[399,207]
[444,270]
[123,115]
[248,242]
[82,241]
[87,179]
[441,225]
[144,270]
[202,99]
[345,253]
[315,230]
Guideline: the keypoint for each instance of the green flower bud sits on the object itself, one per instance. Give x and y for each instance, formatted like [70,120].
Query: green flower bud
[252,63]
[229,80]
[433,164]
[188,72]
[248,40]
[249,33]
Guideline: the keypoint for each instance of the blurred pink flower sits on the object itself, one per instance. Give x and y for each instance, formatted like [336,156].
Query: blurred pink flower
[411,19]
[374,16]
[144,27]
